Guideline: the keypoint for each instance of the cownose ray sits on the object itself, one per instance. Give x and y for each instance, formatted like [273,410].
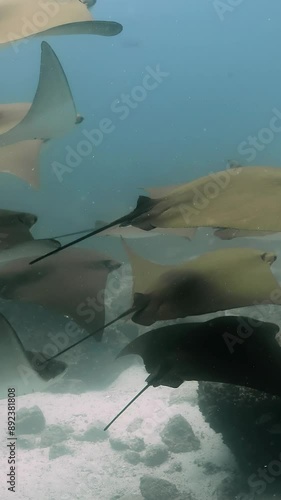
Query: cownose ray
[24,127]
[32,18]
[245,198]
[21,369]
[222,233]
[232,349]
[71,284]
[215,281]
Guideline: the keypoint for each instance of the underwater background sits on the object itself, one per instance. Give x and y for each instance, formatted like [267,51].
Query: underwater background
[220,85]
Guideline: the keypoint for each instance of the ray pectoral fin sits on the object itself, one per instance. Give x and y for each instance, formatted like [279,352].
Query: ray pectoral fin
[101,28]
[52,113]
[17,368]
[22,160]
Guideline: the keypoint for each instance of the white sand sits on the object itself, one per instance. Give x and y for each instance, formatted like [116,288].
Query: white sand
[97,472]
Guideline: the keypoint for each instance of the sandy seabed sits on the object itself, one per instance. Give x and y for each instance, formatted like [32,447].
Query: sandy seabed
[95,471]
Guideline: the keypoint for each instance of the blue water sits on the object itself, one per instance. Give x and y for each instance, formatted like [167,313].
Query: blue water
[223,82]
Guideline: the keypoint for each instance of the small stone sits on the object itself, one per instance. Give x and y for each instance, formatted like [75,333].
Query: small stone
[210,468]
[155,455]
[53,434]
[30,421]
[229,488]
[118,444]
[174,467]
[136,444]
[135,425]
[132,457]
[26,442]
[153,488]
[58,450]
[179,436]
[94,433]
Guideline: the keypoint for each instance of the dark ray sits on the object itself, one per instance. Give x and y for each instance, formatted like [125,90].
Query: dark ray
[231,349]
[72,284]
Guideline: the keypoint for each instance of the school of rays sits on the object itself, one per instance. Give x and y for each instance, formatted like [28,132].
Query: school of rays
[238,202]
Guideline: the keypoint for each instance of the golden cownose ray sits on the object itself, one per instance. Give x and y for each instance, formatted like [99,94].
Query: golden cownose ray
[245,199]
[20,20]
[215,281]
[71,284]
[24,126]
[238,198]
[21,369]
[231,349]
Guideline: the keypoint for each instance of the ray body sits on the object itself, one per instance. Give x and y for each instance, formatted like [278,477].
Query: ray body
[215,281]
[245,199]
[20,20]
[71,284]
[19,368]
[231,349]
